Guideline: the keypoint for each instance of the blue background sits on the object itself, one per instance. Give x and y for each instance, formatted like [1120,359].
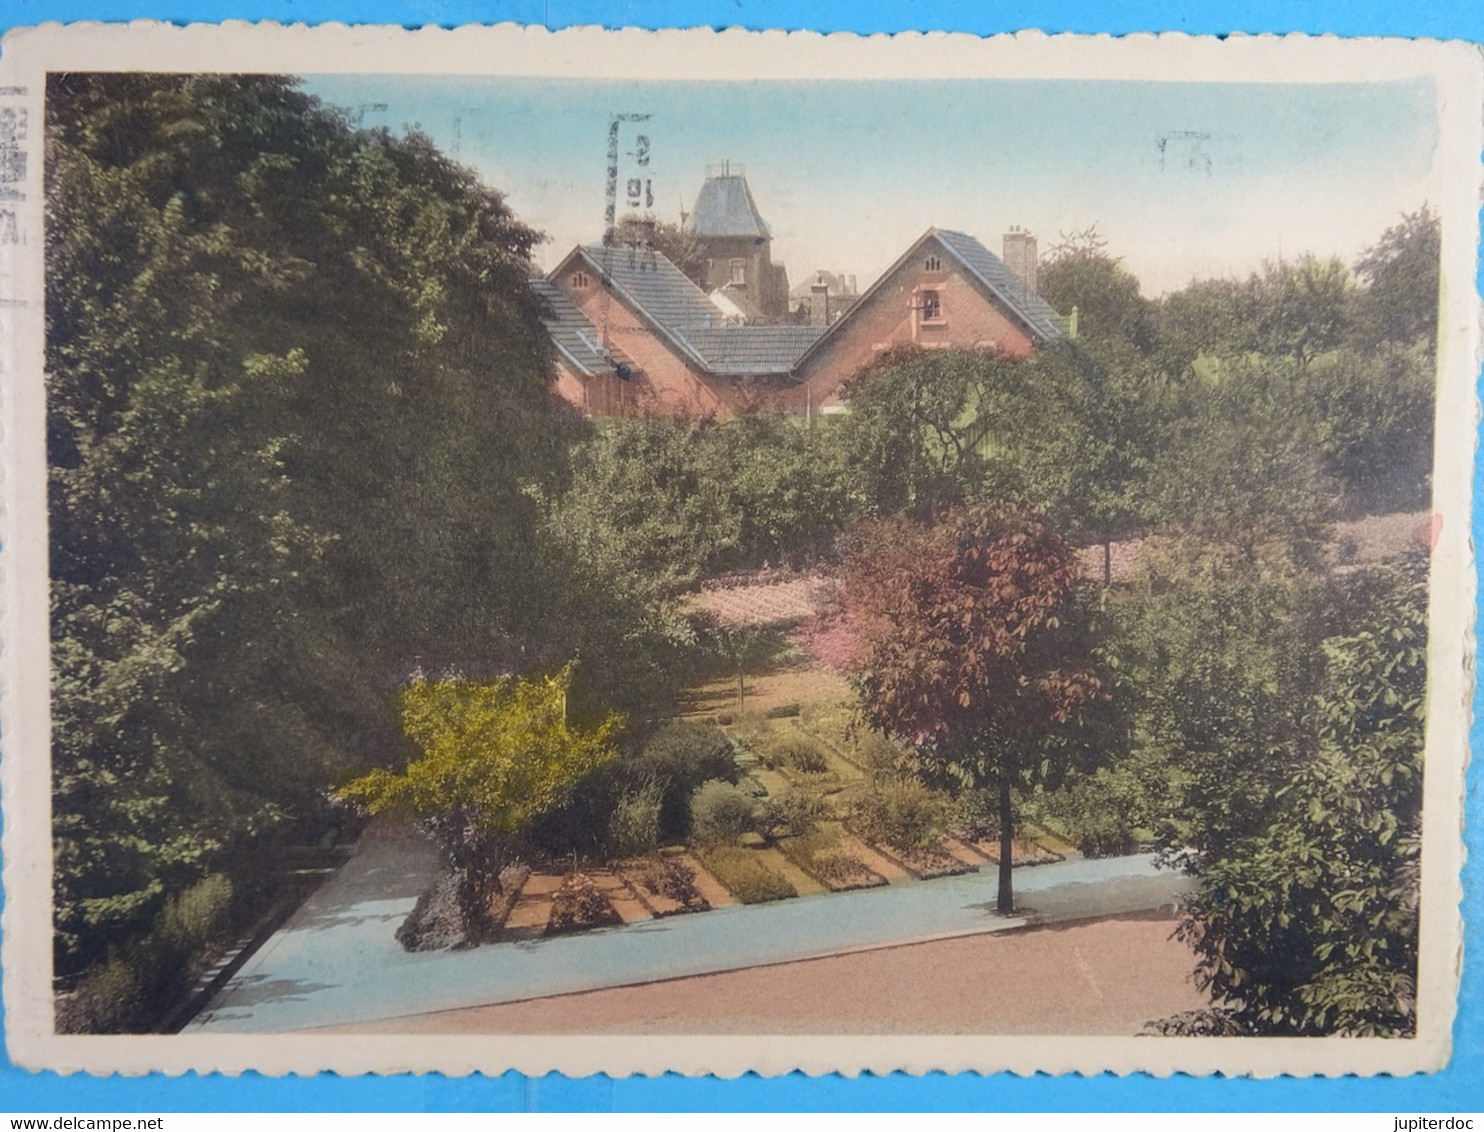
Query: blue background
[1458,1088]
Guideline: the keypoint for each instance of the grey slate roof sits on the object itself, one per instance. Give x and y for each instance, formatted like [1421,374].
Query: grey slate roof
[738,350]
[655,286]
[991,271]
[570,330]
[725,207]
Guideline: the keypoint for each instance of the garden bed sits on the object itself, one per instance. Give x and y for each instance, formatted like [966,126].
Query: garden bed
[929,862]
[745,877]
[667,886]
[829,860]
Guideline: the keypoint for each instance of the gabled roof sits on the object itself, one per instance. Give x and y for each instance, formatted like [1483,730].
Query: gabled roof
[738,350]
[570,331]
[984,268]
[682,313]
[725,207]
[991,271]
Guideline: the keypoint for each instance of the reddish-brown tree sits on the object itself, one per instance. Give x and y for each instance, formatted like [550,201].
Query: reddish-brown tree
[971,648]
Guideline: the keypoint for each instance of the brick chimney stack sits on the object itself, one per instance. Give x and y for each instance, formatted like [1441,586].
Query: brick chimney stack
[819,301]
[1020,255]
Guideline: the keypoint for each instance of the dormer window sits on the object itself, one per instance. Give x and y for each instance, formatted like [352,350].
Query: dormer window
[581,280]
[933,264]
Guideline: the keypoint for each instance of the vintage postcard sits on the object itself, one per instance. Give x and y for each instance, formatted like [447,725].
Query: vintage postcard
[725,552]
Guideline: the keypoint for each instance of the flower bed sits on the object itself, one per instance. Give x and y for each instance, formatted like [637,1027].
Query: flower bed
[928,862]
[666,885]
[581,905]
[745,877]
[823,857]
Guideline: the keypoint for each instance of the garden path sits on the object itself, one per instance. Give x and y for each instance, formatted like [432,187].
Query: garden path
[336,962]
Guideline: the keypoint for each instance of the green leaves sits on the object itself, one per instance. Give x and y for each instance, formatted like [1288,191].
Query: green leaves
[296,405]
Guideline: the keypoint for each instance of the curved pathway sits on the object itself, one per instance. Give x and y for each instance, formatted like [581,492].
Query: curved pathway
[335,961]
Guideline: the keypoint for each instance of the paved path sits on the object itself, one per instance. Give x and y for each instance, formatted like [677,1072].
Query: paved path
[336,961]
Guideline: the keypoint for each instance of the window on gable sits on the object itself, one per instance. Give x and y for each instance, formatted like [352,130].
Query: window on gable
[933,264]
[739,271]
[581,280]
[930,303]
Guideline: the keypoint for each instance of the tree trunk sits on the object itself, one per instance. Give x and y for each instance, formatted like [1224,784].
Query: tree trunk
[1107,562]
[1005,901]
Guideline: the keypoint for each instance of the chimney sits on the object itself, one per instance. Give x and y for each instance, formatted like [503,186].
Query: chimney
[819,302]
[1020,255]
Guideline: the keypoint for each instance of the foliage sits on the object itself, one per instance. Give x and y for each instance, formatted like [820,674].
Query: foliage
[580,905]
[125,993]
[1372,423]
[900,813]
[673,241]
[489,757]
[792,749]
[674,761]
[675,880]
[1401,275]
[745,877]
[634,825]
[976,649]
[1241,487]
[793,813]
[293,378]
[1064,430]
[1306,923]
[721,812]
[1106,295]
[673,501]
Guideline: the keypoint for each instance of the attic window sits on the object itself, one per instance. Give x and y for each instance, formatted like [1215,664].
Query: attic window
[930,303]
[581,280]
[739,272]
[933,264]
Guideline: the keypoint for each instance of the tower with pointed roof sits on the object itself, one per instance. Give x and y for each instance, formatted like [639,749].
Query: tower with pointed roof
[736,244]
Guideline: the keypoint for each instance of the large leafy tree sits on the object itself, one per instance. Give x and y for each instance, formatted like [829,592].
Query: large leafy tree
[1400,275]
[974,650]
[297,400]
[1305,920]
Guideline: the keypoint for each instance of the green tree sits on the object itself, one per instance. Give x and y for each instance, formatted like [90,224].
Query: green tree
[489,758]
[1400,276]
[975,650]
[297,413]
[1305,308]
[1305,922]
[1078,272]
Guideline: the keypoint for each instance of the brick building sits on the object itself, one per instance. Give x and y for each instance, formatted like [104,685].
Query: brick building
[633,336]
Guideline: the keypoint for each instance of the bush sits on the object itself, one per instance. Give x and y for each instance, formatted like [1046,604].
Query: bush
[676,759]
[675,880]
[195,917]
[794,813]
[902,814]
[1092,814]
[747,878]
[793,750]
[977,815]
[721,813]
[681,756]
[134,986]
[634,826]
[107,1000]
[581,905]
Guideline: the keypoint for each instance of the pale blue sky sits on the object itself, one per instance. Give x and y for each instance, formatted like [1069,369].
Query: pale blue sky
[849,173]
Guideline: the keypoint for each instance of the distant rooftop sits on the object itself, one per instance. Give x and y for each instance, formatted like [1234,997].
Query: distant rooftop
[725,206]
